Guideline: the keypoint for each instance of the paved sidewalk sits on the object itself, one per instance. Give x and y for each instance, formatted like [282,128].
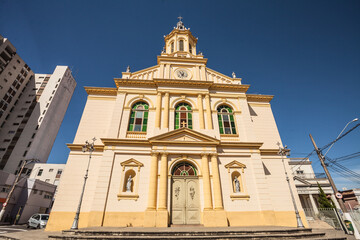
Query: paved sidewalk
[40,234]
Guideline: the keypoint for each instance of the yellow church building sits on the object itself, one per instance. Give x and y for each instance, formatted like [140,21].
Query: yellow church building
[177,143]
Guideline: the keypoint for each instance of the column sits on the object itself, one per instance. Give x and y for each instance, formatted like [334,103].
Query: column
[162,215]
[203,73]
[201,112]
[158,110]
[206,181]
[314,207]
[208,112]
[216,182]
[166,111]
[163,182]
[150,213]
[153,181]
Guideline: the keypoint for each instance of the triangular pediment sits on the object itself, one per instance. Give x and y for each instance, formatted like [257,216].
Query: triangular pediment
[235,164]
[132,163]
[184,136]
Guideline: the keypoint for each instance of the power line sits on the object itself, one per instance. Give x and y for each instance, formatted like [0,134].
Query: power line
[340,137]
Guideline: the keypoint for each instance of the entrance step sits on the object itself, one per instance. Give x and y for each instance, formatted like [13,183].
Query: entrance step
[193,233]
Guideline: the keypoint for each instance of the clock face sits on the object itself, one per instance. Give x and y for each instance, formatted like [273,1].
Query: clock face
[182,74]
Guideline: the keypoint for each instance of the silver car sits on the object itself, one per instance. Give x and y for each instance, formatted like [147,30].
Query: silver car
[38,220]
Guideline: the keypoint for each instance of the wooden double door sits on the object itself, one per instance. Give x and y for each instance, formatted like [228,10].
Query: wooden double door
[185,207]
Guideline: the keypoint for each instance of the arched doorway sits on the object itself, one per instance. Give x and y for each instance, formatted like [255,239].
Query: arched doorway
[185,195]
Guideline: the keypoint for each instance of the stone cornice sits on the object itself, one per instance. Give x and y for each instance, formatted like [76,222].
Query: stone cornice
[78,147]
[101,91]
[177,82]
[115,141]
[174,31]
[234,87]
[181,59]
[251,145]
[259,98]
[271,152]
[133,82]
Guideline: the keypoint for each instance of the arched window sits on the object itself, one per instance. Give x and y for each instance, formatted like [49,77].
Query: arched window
[172,47]
[181,45]
[190,48]
[139,117]
[183,116]
[184,169]
[226,120]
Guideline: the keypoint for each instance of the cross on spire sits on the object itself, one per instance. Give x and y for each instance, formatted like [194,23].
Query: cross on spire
[180,18]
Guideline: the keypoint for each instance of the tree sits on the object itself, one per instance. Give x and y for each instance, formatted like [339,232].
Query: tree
[323,201]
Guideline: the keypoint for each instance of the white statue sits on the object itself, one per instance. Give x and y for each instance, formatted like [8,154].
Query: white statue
[128,184]
[233,75]
[237,184]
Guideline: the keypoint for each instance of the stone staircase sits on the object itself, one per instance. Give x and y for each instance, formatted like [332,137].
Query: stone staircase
[186,233]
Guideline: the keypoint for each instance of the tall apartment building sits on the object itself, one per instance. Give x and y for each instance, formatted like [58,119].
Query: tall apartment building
[31,110]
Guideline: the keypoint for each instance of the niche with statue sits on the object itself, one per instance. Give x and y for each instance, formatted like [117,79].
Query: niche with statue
[130,179]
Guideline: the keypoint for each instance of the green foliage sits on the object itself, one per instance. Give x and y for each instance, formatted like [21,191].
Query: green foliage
[323,201]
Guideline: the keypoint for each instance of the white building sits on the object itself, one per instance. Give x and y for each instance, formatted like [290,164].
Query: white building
[306,182]
[31,110]
[49,173]
[30,196]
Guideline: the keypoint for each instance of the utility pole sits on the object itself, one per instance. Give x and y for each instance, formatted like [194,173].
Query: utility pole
[321,158]
[13,187]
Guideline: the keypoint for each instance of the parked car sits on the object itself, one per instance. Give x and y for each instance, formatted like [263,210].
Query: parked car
[38,221]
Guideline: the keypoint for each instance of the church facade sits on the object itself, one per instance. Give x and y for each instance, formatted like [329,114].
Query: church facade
[177,143]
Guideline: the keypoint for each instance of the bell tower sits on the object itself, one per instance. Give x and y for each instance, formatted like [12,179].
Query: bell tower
[180,42]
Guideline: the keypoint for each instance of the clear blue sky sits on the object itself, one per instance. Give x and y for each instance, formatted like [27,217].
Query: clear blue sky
[306,53]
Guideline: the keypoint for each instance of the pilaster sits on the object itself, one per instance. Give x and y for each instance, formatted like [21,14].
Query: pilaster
[158,110]
[162,216]
[206,182]
[208,112]
[201,112]
[150,213]
[166,111]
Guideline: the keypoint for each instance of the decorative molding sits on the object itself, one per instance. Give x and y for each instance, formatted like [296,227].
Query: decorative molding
[101,91]
[131,163]
[78,147]
[271,152]
[123,196]
[239,197]
[251,145]
[259,98]
[235,164]
[233,87]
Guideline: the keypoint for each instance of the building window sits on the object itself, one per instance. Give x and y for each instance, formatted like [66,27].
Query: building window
[190,48]
[184,169]
[51,169]
[29,144]
[226,120]
[33,135]
[299,171]
[40,172]
[139,117]
[24,153]
[47,180]
[183,116]
[58,174]
[172,47]
[181,45]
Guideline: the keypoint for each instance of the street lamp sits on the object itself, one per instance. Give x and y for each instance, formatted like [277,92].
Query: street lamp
[88,147]
[286,152]
[354,120]
[25,162]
